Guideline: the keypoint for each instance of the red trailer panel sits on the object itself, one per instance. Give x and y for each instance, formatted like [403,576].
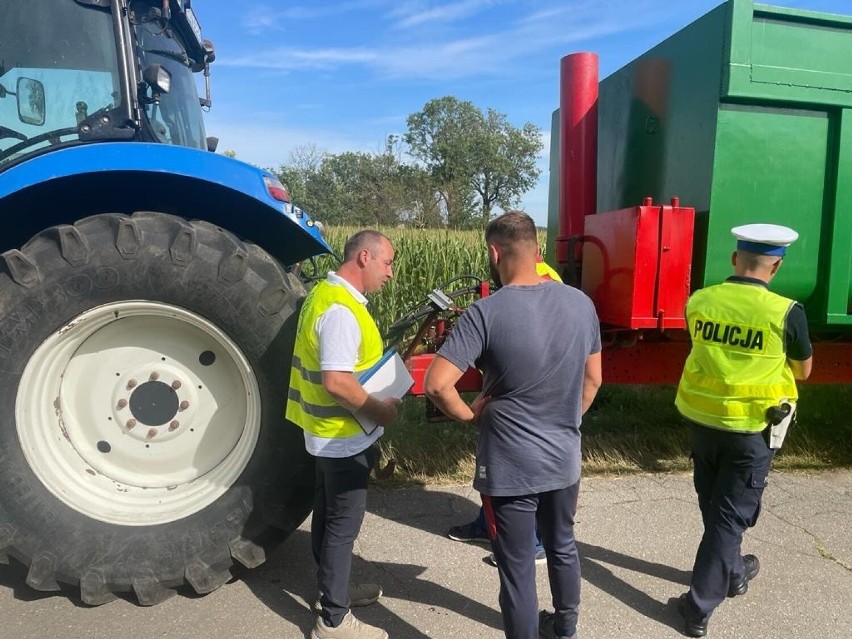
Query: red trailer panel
[637,264]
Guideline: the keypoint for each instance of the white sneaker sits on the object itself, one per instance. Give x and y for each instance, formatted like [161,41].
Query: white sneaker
[360,595]
[349,628]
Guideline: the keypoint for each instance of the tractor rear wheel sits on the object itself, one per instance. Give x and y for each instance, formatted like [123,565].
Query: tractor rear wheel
[144,363]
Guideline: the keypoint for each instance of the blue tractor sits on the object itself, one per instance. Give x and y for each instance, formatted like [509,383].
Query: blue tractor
[148,300]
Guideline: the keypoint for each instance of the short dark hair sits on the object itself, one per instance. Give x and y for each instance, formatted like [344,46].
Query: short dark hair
[511,229]
[756,261]
[367,239]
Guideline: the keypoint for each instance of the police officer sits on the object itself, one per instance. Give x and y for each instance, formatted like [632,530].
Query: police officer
[336,338]
[749,346]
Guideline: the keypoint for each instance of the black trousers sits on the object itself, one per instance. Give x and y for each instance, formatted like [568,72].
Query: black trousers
[340,500]
[731,471]
[512,526]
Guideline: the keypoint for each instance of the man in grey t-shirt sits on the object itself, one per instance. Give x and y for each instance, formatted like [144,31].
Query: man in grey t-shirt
[538,347]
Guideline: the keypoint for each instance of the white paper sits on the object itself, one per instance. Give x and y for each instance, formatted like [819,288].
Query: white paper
[388,378]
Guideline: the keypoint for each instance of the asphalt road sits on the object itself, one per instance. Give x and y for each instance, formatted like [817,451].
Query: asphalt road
[637,540]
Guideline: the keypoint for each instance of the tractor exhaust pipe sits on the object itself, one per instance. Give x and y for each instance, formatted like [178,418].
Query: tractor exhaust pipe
[578,145]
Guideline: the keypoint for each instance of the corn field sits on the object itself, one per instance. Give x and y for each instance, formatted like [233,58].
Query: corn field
[424,260]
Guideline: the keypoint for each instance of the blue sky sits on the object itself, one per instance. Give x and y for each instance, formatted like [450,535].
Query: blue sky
[342,76]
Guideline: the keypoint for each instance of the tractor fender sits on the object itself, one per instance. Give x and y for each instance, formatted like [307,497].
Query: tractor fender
[64,185]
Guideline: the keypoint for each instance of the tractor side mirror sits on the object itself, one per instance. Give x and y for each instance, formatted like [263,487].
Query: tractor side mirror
[212,143]
[209,56]
[30,94]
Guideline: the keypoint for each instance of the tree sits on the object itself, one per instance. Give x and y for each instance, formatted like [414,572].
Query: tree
[473,156]
[325,197]
[466,163]
[506,167]
[301,168]
[416,196]
[422,205]
[361,189]
[360,177]
[306,158]
[351,188]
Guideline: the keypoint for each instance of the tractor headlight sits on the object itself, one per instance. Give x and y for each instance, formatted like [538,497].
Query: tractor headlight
[158,78]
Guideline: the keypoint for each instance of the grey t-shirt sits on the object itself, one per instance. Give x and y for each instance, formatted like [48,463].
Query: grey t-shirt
[531,344]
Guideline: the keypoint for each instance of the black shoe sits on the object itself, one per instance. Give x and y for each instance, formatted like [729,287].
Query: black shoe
[692,627]
[546,629]
[751,566]
[469,532]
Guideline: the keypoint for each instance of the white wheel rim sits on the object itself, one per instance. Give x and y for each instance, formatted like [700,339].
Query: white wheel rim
[123,417]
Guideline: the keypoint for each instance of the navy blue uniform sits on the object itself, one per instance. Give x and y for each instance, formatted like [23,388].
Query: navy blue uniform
[730,473]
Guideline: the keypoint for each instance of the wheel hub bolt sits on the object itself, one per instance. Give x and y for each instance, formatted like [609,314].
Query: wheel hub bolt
[131,423]
[131,383]
[152,433]
[174,425]
[183,405]
[176,384]
[122,403]
[154,376]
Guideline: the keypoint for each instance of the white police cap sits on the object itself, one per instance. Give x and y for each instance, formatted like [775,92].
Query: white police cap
[764,239]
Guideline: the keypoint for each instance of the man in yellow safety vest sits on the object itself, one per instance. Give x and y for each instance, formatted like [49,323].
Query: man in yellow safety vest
[336,339]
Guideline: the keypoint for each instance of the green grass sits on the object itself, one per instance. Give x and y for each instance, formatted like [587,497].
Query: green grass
[629,429]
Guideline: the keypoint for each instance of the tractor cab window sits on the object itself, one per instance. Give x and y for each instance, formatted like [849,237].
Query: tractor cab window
[57,67]
[171,105]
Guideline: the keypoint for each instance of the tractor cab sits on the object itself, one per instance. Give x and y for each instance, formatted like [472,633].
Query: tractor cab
[127,74]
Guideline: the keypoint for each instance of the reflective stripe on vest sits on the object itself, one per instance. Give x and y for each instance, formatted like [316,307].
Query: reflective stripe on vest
[737,367]
[309,405]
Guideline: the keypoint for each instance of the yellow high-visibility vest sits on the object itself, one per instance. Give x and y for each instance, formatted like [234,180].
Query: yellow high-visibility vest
[309,405]
[737,367]
[544,270]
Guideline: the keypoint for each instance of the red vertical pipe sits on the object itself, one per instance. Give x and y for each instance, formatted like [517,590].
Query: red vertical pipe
[578,145]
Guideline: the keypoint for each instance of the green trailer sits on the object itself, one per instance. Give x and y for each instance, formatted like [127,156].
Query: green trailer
[745,116]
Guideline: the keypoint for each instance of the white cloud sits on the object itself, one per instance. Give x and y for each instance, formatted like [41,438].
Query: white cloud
[397,120]
[413,14]
[262,17]
[486,54]
[284,59]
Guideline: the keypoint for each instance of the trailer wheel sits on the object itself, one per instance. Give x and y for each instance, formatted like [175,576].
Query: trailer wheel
[144,363]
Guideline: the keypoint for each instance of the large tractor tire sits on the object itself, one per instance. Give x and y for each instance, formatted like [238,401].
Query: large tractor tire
[144,363]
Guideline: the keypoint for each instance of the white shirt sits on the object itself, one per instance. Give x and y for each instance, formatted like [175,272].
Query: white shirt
[339,337]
